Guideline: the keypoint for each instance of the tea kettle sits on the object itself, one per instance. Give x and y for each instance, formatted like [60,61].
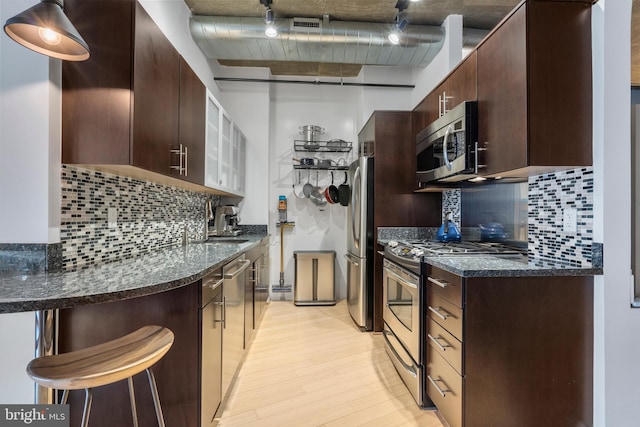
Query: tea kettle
[492,232]
[448,232]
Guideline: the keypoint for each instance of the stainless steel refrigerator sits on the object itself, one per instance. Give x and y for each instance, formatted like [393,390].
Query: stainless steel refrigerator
[360,241]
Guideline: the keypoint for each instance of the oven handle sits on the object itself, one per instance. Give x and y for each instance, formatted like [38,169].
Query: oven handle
[245,265]
[410,370]
[440,283]
[441,391]
[400,278]
[437,313]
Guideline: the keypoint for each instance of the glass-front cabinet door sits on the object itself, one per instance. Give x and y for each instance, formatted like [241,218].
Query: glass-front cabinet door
[212,138]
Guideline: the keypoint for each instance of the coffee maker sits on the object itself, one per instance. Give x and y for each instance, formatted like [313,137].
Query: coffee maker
[226,221]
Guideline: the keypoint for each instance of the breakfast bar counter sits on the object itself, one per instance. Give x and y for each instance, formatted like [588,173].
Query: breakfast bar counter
[147,274]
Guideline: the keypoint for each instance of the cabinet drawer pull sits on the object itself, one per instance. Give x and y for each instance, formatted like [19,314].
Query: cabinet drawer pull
[441,391]
[437,312]
[437,343]
[441,283]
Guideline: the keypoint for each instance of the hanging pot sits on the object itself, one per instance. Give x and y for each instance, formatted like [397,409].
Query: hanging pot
[298,189]
[344,192]
[308,187]
[331,193]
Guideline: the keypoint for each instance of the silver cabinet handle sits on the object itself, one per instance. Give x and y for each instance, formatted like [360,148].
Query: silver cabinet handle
[186,166]
[224,312]
[436,311]
[245,264]
[182,153]
[437,343]
[441,283]
[441,391]
[216,284]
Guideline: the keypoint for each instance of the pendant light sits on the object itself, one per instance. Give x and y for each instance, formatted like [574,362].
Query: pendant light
[44,28]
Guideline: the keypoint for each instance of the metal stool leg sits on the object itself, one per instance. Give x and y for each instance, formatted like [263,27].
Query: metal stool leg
[88,398]
[156,398]
[132,397]
[65,395]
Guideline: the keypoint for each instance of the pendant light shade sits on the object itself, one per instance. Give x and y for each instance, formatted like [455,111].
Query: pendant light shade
[45,29]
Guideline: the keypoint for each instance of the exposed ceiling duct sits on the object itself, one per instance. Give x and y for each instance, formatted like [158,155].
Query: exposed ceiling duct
[314,41]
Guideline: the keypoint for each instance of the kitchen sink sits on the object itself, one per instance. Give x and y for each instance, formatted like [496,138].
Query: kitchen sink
[226,240]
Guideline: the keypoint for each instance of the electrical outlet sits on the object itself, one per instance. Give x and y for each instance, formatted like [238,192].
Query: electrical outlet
[112,217]
[570,220]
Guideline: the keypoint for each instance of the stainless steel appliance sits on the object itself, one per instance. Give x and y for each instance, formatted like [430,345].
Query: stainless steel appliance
[360,251]
[403,317]
[447,150]
[211,323]
[226,221]
[405,299]
[233,333]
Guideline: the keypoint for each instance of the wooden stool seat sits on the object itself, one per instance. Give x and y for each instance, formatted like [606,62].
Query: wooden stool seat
[105,363]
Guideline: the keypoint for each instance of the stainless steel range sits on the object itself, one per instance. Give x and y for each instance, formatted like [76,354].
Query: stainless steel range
[404,278]
[409,253]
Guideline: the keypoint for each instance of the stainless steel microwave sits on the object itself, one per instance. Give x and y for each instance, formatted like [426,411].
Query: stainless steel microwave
[447,149]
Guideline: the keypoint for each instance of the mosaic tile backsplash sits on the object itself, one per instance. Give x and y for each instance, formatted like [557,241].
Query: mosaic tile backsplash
[549,196]
[149,216]
[452,202]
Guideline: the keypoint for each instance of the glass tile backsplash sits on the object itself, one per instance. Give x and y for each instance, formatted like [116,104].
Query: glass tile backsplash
[148,216]
[551,196]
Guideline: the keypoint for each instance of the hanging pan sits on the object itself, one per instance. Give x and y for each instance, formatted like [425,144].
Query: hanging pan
[331,193]
[344,192]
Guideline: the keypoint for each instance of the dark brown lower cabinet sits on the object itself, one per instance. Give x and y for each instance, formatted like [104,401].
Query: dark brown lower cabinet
[527,352]
[177,374]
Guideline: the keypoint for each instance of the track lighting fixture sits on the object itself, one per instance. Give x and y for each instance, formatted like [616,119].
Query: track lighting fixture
[44,28]
[398,28]
[270,30]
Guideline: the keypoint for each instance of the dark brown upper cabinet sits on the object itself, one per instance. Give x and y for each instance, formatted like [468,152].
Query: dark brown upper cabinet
[192,122]
[135,102]
[534,90]
[458,86]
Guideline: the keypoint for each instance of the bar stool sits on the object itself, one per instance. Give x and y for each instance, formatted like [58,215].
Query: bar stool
[104,364]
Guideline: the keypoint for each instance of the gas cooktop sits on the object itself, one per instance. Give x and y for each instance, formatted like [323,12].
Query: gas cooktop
[410,252]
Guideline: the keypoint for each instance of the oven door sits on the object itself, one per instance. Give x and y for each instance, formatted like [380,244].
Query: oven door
[402,306]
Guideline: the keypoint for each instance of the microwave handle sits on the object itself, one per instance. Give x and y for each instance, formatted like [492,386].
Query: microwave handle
[445,143]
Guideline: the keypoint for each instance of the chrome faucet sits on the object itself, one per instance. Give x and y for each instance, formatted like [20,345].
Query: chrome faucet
[208,216]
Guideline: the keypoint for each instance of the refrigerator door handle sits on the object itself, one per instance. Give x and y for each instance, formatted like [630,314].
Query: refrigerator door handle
[356,213]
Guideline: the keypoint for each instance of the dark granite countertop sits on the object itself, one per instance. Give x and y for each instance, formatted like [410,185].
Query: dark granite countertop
[492,266]
[159,271]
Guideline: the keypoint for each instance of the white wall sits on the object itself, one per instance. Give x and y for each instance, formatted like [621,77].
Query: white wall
[249,105]
[335,109]
[617,326]
[29,182]
[26,103]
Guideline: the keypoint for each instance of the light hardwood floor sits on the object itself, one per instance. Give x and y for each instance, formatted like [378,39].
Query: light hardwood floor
[310,366]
